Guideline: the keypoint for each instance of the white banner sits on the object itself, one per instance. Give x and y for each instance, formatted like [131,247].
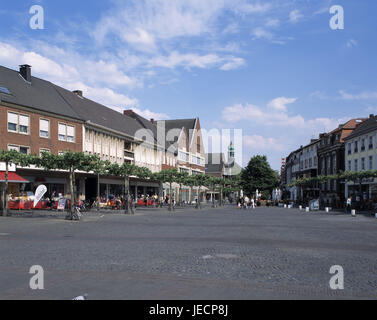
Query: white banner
[39,193]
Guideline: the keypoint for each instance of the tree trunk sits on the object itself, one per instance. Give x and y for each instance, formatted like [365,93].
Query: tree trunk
[221,196]
[170,198]
[191,192]
[128,208]
[199,200]
[213,197]
[73,202]
[5,193]
[98,193]
[180,194]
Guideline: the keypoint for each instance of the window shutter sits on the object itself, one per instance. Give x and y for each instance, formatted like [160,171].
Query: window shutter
[43,125]
[62,129]
[24,121]
[12,117]
[70,131]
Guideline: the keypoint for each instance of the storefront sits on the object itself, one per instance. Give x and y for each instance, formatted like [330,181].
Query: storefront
[16,184]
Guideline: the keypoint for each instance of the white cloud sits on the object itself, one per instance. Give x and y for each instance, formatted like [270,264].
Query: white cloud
[280,104]
[259,116]
[260,143]
[360,96]
[260,33]
[234,63]
[193,60]
[295,16]
[351,43]
[272,22]
[73,78]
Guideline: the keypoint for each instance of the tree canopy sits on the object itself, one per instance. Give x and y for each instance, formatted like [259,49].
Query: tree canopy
[259,175]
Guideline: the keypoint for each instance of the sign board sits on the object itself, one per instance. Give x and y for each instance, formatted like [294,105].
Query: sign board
[11,168]
[39,193]
[61,204]
[314,205]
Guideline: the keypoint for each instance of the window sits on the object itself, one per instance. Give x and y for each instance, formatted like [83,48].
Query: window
[41,151]
[44,128]
[24,124]
[12,147]
[4,90]
[70,134]
[356,167]
[349,165]
[62,132]
[12,122]
[370,142]
[362,144]
[20,149]
[349,148]
[66,133]
[18,123]
[370,162]
[362,163]
[356,146]
[183,156]
[24,150]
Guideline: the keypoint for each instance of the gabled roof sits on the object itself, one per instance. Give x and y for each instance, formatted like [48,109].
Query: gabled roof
[98,114]
[347,128]
[367,126]
[45,96]
[175,127]
[39,95]
[146,124]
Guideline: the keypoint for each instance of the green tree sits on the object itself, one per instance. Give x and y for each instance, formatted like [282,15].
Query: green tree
[72,162]
[190,182]
[126,170]
[201,181]
[169,176]
[259,175]
[181,179]
[99,168]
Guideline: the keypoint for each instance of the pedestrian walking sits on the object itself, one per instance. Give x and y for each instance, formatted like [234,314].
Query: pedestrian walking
[349,205]
[246,204]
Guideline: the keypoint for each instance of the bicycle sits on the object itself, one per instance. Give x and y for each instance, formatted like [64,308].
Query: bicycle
[77,215]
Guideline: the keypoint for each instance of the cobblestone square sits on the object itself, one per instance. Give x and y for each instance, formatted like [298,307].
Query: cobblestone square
[223,253]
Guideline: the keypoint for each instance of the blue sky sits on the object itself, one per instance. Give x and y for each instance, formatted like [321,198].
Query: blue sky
[273,68]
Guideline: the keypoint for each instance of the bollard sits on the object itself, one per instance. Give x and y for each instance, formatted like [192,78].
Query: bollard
[285,206]
[327,209]
[300,208]
[376,215]
[353,213]
[307,209]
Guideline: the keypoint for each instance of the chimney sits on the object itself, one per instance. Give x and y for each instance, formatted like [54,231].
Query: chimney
[25,72]
[128,113]
[152,120]
[78,92]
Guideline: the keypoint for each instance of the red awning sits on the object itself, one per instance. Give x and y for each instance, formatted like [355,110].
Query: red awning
[12,177]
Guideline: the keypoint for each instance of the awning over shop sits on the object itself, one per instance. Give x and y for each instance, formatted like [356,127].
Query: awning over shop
[12,177]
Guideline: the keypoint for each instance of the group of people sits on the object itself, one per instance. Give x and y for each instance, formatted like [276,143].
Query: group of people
[246,203]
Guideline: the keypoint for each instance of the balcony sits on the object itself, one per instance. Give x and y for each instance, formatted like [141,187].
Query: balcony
[128,154]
